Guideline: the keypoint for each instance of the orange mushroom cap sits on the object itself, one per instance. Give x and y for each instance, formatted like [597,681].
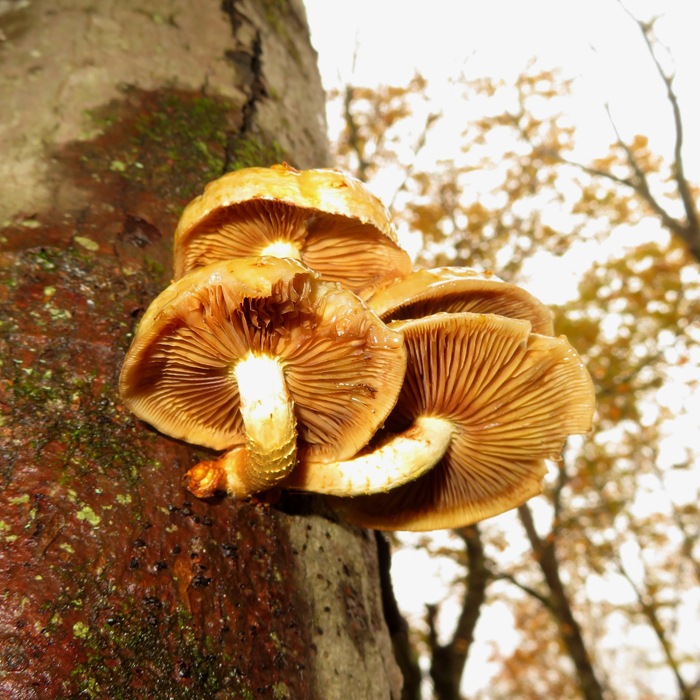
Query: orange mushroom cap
[324,218]
[458,289]
[342,366]
[512,398]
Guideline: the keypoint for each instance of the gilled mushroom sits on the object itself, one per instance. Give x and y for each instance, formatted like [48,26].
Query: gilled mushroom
[457,289]
[240,355]
[324,218]
[492,400]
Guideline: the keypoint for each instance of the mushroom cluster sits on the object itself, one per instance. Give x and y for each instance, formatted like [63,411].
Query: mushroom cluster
[297,339]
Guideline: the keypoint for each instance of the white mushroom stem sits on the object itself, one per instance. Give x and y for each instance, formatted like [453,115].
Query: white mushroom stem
[282,249]
[268,416]
[401,459]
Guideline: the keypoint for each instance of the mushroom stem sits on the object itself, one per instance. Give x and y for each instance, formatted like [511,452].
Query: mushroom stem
[282,249]
[268,416]
[228,473]
[402,458]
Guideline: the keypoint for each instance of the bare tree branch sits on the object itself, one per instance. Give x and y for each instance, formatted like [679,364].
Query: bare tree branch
[420,144]
[532,592]
[687,228]
[355,141]
[448,660]
[545,554]
[562,481]
[691,233]
[406,655]
[648,607]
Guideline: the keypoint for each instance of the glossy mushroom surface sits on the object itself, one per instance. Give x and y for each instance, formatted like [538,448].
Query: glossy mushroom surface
[324,218]
[459,289]
[511,396]
[324,353]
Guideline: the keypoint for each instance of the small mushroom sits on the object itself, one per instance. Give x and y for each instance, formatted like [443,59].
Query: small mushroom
[456,289]
[492,401]
[324,218]
[240,355]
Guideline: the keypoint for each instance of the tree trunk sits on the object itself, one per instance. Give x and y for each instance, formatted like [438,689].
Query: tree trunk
[115,582]
[569,629]
[448,660]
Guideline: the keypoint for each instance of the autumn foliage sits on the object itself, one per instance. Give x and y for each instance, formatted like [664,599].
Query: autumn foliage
[611,552]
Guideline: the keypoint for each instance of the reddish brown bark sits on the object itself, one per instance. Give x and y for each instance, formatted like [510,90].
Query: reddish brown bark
[115,582]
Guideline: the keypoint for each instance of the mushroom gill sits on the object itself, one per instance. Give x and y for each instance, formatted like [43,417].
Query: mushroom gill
[324,218]
[511,396]
[255,350]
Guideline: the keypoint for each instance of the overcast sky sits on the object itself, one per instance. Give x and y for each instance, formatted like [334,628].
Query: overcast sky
[594,41]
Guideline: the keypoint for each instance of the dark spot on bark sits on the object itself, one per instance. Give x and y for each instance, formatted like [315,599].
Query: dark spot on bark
[183,670]
[229,550]
[138,232]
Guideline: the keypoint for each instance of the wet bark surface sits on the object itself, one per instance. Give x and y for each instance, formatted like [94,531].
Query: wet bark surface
[116,582]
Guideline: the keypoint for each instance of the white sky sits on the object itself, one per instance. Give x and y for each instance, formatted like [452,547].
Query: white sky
[594,41]
[394,38]
[371,42]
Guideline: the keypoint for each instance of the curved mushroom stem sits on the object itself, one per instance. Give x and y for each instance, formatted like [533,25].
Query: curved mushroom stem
[270,424]
[401,459]
[224,474]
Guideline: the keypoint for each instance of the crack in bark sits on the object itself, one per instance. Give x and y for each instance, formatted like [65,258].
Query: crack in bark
[248,60]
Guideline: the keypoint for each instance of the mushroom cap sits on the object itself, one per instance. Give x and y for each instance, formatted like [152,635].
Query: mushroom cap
[340,229]
[513,398]
[343,367]
[458,289]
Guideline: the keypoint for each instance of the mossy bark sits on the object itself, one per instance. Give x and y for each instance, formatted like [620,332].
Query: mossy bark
[114,582]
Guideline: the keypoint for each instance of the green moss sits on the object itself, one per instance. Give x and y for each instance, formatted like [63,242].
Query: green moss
[89,427]
[249,152]
[46,259]
[88,514]
[87,243]
[17,500]
[186,130]
[81,630]
[167,142]
[274,11]
[280,691]
[158,645]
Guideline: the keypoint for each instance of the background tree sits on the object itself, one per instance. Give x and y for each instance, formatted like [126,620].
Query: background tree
[612,549]
[115,582]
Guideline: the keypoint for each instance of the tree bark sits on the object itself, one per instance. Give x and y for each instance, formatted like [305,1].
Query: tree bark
[115,582]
